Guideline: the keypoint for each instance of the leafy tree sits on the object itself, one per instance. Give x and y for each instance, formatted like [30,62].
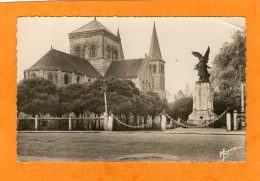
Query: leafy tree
[225,76]
[71,98]
[120,95]
[37,95]
[181,108]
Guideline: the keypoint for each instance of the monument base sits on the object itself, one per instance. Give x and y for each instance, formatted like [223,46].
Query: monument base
[202,105]
[201,117]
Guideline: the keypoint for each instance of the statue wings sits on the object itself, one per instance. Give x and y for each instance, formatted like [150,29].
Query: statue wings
[197,54]
[205,57]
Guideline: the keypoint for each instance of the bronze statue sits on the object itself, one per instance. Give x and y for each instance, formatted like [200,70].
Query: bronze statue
[202,66]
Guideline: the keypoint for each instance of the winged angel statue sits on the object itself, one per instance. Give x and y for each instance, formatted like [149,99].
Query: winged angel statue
[202,66]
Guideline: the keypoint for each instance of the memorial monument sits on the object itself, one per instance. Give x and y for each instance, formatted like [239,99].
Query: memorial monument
[203,111]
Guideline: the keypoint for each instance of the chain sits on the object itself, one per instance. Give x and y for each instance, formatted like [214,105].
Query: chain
[200,126]
[143,126]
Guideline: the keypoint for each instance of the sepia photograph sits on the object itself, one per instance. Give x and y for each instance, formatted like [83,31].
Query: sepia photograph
[131,89]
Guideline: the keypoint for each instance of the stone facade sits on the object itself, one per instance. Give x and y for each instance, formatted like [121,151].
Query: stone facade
[99,48]
[157,70]
[203,111]
[59,78]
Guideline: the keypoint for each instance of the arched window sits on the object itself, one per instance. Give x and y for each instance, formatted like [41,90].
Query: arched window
[50,77]
[112,54]
[33,75]
[66,79]
[150,68]
[78,79]
[116,55]
[92,51]
[162,68]
[89,79]
[154,68]
[77,51]
[85,52]
[108,52]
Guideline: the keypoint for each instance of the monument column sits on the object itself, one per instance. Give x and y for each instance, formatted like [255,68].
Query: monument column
[203,111]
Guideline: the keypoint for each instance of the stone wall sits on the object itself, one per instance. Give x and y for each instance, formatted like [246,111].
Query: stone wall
[59,76]
[146,82]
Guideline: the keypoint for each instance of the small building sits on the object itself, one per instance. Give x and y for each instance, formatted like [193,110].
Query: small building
[94,52]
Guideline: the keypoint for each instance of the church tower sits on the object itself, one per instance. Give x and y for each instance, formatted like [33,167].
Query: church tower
[95,43]
[156,64]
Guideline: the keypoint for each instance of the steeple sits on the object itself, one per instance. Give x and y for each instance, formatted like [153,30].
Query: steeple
[155,52]
[118,34]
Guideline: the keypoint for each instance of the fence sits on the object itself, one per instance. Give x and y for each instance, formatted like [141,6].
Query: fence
[111,122]
[61,124]
[235,121]
[104,122]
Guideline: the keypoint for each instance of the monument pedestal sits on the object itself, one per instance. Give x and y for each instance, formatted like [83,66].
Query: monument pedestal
[203,111]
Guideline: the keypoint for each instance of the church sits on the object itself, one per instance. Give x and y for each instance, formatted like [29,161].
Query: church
[96,52]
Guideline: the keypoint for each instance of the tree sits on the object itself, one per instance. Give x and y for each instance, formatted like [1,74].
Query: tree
[37,95]
[181,108]
[71,99]
[225,76]
[120,95]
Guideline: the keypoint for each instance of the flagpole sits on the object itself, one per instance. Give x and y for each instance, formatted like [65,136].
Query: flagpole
[105,98]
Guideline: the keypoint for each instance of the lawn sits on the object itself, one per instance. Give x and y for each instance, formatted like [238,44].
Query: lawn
[126,146]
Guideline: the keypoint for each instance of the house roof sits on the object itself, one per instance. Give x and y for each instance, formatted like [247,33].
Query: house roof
[125,68]
[57,60]
[92,26]
[155,52]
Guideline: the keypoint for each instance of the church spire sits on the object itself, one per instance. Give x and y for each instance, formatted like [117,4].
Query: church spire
[155,52]
[118,34]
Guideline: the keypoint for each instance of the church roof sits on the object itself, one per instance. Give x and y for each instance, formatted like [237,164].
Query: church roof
[125,68]
[57,60]
[92,26]
[155,52]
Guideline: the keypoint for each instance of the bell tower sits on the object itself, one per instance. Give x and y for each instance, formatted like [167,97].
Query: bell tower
[95,43]
[156,64]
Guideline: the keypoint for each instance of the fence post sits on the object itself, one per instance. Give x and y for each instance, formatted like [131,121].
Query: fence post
[105,121]
[70,122]
[110,122]
[163,121]
[36,122]
[179,121]
[228,120]
[235,119]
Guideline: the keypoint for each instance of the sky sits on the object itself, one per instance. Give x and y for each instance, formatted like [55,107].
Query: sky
[178,37]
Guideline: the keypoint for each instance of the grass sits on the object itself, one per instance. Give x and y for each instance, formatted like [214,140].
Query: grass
[126,146]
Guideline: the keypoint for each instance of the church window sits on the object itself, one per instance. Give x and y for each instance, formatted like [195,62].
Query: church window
[33,75]
[85,52]
[150,88]
[154,68]
[77,51]
[150,68]
[66,79]
[78,79]
[162,69]
[89,79]
[112,54]
[108,52]
[116,55]
[50,77]
[93,51]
